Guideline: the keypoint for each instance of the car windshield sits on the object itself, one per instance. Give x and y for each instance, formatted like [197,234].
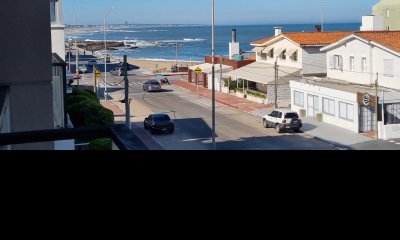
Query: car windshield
[291,115]
[162,118]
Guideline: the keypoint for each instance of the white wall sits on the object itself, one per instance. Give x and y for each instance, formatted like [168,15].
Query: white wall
[336,95]
[286,44]
[359,49]
[58,40]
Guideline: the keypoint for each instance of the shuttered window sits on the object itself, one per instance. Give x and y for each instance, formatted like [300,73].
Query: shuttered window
[299,99]
[328,106]
[388,67]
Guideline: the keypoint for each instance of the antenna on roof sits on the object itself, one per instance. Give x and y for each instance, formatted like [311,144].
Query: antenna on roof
[322,15]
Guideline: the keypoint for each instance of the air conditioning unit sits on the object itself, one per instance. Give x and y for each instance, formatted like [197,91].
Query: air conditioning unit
[303,113]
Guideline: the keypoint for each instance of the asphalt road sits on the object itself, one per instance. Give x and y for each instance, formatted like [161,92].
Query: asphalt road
[191,113]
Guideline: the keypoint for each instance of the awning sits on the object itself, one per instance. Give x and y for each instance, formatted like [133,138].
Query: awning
[267,49]
[264,73]
[279,51]
[258,49]
[290,51]
[207,68]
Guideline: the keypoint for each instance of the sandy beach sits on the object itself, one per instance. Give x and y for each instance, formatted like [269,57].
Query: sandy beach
[162,66]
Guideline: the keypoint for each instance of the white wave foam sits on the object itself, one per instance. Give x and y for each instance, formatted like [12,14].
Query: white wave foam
[194,39]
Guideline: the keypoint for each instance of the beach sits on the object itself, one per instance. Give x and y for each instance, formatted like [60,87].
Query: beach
[159,65]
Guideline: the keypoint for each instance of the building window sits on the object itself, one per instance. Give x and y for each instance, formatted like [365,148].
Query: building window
[388,13]
[338,62]
[328,106]
[271,53]
[263,56]
[364,64]
[299,99]
[388,67]
[283,55]
[346,111]
[53,11]
[352,65]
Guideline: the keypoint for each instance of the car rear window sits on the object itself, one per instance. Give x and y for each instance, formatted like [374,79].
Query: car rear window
[162,118]
[291,115]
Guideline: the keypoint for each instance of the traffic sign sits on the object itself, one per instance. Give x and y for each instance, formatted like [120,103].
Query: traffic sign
[98,73]
[198,70]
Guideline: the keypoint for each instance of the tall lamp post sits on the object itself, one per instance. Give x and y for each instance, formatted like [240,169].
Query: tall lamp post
[105,53]
[213,79]
[69,54]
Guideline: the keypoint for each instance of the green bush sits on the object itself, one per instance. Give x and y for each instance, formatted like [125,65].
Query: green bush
[71,99]
[85,92]
[256,94]
[88,113]
[101,144]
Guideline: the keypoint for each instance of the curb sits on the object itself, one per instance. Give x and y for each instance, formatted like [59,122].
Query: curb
[336,145]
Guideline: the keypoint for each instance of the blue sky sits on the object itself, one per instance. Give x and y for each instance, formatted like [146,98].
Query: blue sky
[226,11]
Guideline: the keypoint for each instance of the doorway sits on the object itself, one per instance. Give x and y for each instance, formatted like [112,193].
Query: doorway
[313,106]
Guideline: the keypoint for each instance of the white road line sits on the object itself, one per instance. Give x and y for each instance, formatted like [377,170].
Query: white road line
[391,141]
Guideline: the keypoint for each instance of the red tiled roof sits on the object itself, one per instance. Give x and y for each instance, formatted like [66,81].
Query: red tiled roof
[389,39]
[310,38]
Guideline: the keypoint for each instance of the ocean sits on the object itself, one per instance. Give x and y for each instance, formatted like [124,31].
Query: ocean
[159,42]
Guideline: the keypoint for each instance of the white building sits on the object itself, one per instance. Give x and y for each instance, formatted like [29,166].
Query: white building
[357,67]
[296,54]
[57,28]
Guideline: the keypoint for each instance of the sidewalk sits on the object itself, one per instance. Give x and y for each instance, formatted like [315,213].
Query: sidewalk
[335,135]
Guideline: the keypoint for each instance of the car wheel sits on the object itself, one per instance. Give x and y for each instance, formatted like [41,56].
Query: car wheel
[297,130]
[277,128]
[171,131]
[152,131]
[265,123]
[145,126]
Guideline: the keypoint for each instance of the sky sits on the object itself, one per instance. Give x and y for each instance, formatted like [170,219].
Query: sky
[238,12]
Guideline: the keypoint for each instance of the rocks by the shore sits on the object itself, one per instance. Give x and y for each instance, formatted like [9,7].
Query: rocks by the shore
[98,46]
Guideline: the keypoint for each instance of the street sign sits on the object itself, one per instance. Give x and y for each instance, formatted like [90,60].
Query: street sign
[198,70]
[98,73]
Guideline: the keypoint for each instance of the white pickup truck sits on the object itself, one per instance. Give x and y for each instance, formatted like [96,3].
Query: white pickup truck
[283,120]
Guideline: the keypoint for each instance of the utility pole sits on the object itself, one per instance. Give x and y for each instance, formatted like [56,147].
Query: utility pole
[94,80]
[127,99]
[276,83]
[76,50]
[322,16]
[376,107]
[105,53]
[214,145]
[176,63]
[220,73]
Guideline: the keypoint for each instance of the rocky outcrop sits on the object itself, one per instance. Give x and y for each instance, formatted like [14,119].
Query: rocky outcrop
[98,46]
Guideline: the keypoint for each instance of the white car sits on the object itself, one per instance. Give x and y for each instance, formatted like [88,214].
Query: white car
[281,119]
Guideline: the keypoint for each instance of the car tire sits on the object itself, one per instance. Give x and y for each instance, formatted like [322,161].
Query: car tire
[152,131]
[171,131]
[145,126]
[277,128]
[265,123]
[297,130]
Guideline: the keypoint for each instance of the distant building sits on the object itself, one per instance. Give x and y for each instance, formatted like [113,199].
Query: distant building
[390,10]
[57,28]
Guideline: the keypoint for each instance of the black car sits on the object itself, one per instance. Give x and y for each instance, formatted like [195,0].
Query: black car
[152,86]
[159,122]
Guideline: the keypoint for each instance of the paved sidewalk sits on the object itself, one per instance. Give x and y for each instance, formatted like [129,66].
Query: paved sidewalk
[335,135]
[224,98]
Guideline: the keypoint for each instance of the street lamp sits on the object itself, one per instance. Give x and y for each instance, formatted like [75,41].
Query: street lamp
[69,54]
[213,79]
[105,53]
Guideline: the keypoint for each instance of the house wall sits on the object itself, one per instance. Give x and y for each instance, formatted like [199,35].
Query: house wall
[313,61]
[26,66]
[336,95]
[283,94]
[284,43]
[375,64]
[57,31]
[393,21]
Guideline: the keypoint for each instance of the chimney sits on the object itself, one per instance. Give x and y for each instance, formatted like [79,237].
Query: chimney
[278,31]
[318,28]
[233,35]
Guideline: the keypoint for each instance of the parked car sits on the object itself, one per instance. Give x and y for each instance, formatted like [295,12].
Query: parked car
[151,86]
[159,122]
[283,120]
[119,71]
[92,62]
